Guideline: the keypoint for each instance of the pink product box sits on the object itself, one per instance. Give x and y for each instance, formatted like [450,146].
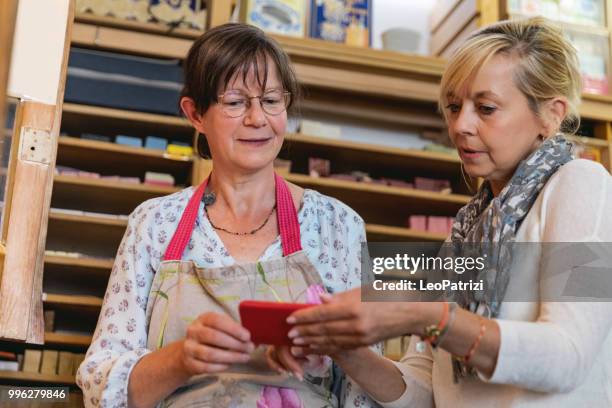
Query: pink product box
[88,174]
[437,225]
[424,183]
[158,183]
[417,222]
[346,177]
[399,183]
[318,167]
[132,180]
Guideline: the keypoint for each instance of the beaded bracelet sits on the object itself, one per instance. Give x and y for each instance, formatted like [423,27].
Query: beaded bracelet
[483,328]
[451,318]
[433,332]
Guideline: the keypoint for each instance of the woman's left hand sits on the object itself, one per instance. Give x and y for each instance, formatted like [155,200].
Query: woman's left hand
[345,322]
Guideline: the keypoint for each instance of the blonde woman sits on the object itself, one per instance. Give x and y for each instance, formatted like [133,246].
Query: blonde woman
[508,95]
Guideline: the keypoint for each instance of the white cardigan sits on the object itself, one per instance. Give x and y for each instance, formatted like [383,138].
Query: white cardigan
[552,354]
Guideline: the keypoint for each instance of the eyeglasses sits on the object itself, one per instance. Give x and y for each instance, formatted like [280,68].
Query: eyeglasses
[235,103]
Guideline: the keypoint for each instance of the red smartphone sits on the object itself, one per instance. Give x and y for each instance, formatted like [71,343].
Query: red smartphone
[267,321]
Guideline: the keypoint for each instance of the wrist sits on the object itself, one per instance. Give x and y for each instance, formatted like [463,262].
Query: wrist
[178,361]
[425,314]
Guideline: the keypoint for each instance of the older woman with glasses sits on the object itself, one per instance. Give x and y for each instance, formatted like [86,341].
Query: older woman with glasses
[168,329]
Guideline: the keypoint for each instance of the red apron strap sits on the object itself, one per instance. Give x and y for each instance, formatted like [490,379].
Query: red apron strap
[181,236]
[286,216]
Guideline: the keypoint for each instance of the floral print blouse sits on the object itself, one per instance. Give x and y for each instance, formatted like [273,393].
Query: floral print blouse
[331,235]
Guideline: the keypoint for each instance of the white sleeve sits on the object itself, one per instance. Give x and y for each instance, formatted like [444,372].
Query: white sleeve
[556,352]
[120,337]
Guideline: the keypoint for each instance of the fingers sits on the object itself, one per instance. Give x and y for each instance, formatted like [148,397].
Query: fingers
[226,325]
[288,360]
[340,327]
[212,337]
[272,360]
[214,355]
[326,312]
[326,343]
[282,359]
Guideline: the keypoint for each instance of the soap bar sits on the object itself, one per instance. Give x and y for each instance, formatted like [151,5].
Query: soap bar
[93,136]
[179,150]
[128,141]
[159,179]
[153,142]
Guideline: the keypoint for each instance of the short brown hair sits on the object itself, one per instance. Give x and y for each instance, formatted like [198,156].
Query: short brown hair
[230,49]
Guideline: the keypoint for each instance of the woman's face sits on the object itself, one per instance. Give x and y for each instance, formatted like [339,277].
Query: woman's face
[492,126]
[252,141]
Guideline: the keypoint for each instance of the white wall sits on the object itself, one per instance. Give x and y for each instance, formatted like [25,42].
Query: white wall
[413,14]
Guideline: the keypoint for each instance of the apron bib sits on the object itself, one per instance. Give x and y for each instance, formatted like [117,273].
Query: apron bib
[181,291]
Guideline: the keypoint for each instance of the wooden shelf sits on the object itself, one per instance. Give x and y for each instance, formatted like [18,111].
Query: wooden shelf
[341,150]
[156,28]
[64,339]
[106,196]
[106,184]
[90,263]
[321,64]
[114,149]
[85,219]
[380,204]
[77,301]
[590,141]
[37,377]
[383,233]
[134,116]
[99,157]
[129,41]
[359,187]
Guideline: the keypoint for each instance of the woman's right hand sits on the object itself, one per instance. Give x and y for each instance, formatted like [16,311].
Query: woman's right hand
[213,342]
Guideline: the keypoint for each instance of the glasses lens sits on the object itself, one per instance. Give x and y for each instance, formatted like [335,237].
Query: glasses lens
[234,103]
[275,102]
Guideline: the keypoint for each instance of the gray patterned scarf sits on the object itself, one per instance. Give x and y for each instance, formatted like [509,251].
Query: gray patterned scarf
[491,223]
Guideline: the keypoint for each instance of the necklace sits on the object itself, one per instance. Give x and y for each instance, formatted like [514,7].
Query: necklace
[239,233]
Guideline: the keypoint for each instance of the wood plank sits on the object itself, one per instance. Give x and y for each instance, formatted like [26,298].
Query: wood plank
[131,42]
[141,117]
[119,186]
[65,339]
[440,159]
[454,24]
[93,263]
[103,196]
[150,27]
[38,377]
[440,13]
[19,279]
[460,38]
[8,16]
[72,300]
[358,187]
[114,148]
[85,219]
[377,232]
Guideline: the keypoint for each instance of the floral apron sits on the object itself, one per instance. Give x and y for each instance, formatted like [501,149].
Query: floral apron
[181,291]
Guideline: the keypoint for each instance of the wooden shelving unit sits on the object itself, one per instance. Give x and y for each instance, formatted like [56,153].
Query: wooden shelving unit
[386,87]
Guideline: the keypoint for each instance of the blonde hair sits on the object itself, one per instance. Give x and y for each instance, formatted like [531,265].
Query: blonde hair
[547,64]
